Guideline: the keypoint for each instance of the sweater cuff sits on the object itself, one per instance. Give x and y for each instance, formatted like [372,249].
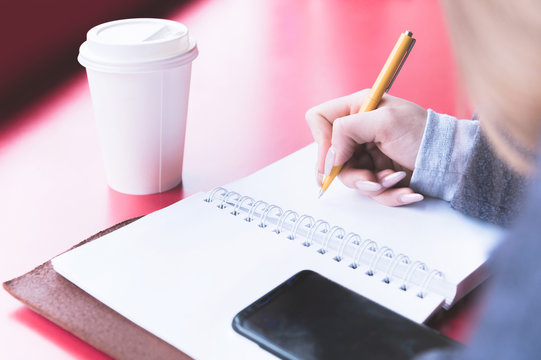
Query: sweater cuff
[443,155]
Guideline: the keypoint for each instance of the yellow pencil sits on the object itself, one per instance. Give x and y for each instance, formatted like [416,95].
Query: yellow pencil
[382,84]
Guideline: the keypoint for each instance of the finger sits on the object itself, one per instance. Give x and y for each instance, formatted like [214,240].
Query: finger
[329,161]
[321,129]
[319,178]
[398,197]
[350,131]
[336,108]
[384,173]
[322,150]
[362,180]
[389,178]
[327,166]
[321,118]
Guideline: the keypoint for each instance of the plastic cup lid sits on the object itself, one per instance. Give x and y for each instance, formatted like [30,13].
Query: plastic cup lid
[137,45]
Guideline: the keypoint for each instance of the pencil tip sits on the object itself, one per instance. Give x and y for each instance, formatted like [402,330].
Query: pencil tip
[321,192]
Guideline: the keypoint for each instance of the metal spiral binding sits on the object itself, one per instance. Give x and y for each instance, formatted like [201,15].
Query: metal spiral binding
[344,243]
[427,281]
[263,211]
[330,235]
[392,266]
[283,218]
[293,234]
[212,194]
[310,238]
[263,222]
[240,202]
[384,251]
[416,266]
[367,244]
[226,199]
[251,213]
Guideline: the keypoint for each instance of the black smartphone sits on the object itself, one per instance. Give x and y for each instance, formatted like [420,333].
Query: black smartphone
[311,317]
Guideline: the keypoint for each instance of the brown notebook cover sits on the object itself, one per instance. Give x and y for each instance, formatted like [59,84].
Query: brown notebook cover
[52,296]
[58,300]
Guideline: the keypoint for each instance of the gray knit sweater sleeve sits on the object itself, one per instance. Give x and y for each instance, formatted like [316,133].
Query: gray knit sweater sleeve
[456,163]
[445,149]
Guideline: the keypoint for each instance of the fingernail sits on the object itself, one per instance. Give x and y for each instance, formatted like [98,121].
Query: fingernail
[393,179]
[319,178]
[329,161]
[411,198]
[363,185]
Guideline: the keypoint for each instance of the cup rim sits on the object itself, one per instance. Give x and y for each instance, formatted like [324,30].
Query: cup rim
[107,65]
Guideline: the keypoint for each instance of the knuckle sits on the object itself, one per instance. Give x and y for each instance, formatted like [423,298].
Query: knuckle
[357,99]
[390,113]
[391,116]
[320,133]
[363,92]
[339,126]
[310,115]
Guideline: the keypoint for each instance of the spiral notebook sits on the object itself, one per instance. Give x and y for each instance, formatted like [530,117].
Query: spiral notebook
[183,272]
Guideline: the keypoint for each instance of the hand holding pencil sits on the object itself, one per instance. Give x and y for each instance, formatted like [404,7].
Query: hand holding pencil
[373,150]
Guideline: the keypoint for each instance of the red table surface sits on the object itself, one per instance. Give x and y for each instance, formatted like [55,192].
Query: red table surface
[262,64]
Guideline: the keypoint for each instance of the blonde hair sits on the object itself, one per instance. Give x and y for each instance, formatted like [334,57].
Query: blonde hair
[497,47]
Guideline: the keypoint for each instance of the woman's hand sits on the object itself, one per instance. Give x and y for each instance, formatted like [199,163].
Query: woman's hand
[377,148]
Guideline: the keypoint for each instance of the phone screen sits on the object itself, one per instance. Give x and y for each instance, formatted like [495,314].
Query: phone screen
[311,317]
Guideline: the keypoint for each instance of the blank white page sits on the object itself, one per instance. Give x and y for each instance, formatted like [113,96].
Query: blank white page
[183,272]
[429,231]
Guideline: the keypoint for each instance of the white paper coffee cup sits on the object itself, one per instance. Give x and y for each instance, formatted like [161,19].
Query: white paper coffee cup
[139,76]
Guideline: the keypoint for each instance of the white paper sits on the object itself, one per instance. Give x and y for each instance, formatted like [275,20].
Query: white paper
[184,272]
[429,231]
